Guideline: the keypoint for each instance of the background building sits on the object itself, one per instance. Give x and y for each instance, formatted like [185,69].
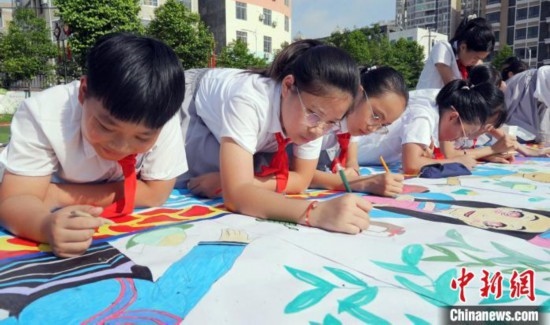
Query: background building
[524,26]
[423,36]
[263,25]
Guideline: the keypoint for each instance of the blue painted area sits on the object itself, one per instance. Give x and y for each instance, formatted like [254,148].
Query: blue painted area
[172,296]
[483,170]
[380,214]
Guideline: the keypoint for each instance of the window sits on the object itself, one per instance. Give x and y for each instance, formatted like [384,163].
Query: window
[520,53]
[490,2]
[1,19]
[241,10]
[533,32]
[497,35]
[243,36]
[287,24]
[267,44]
[521,33]
[153,3]
[287,3]
[267,17]
[493,17]
[521,14]
[534,12]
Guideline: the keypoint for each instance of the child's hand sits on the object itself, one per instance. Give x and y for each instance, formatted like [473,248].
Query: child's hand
[386,184]
[208,185]
[467,160]
[70,232]
[505,144]
[347,214]
[501,158]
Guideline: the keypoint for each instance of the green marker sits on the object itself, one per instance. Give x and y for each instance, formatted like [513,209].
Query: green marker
[343,177]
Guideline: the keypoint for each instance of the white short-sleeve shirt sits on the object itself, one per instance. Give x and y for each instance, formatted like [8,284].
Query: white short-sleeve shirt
[419,124]
[442,52]
[46,139]
[245,107]
[330,140]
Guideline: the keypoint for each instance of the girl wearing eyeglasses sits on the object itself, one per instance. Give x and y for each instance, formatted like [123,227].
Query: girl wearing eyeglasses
[455,112]
[231,117]
[383,98]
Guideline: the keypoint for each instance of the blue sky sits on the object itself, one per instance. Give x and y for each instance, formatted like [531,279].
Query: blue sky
[319,18]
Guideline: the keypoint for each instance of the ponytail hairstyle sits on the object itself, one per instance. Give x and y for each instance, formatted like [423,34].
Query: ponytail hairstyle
[476,33]
[470,101]
[485,73]
[495,100]
[377,81]
[316,67]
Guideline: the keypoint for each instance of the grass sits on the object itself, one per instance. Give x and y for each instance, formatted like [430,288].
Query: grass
[4,134]
[6,118]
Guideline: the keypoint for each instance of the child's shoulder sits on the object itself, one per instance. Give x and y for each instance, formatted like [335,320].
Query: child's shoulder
[52,102]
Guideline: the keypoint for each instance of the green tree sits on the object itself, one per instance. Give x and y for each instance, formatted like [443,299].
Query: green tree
[504,53]
[89,20]
[407,57]
[26,48]
[237,55]
[183,30]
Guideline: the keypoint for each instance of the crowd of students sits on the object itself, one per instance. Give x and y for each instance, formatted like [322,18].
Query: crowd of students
[136,125]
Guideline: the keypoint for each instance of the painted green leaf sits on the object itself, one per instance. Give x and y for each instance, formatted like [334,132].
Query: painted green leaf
[422,292]
[519,256]
[417,320]
[306,299]
[309,278]
[461,245]
[482,261]
[346,276]
[399,268]
[412,254]
[331,320]
[361,298]
[362,315]
[448,256]
[443,287]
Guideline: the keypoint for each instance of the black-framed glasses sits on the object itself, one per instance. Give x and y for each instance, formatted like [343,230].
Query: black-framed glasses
[376,119]
[313,120]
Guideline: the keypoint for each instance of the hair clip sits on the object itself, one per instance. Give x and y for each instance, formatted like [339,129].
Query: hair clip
[372,68]
[465,87]
[470,17]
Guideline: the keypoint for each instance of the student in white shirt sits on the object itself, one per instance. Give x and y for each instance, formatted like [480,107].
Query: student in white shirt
[456,111]
[66,141]
[489,143]
[384,99]
[235,115]
[472,43]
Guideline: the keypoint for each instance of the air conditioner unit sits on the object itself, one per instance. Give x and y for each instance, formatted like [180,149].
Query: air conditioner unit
[274,24]
[261,17]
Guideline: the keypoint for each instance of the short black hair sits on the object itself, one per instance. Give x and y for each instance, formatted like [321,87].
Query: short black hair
[137,79]
[514,65]
[476,33]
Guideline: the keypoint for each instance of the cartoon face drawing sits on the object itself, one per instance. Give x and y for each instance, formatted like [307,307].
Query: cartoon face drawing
[501,218]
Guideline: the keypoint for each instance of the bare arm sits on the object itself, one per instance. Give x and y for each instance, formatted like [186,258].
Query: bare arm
[415,157]
[22,207]
[445,72]
[352,162]
[345,214]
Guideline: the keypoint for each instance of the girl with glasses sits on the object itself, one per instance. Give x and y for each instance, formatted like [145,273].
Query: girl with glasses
[383,98]
[234,118]
[432,116]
